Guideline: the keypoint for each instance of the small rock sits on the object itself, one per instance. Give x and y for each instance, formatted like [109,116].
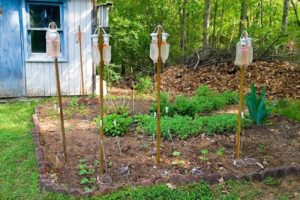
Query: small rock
[260,165]
[123,170]
[104,179]
[197,171]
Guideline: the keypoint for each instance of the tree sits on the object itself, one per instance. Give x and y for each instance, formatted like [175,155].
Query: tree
[243,16]
[285,16]
[206,17]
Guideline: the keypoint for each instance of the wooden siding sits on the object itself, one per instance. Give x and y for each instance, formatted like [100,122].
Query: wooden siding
[12,82]
[40,76]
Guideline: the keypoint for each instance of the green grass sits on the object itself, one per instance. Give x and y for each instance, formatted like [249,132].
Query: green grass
[19,175]
[288,108]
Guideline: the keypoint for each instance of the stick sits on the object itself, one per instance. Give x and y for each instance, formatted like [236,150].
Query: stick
[101,65]
[158,135]
[62,125]
[241,100]
[81,62]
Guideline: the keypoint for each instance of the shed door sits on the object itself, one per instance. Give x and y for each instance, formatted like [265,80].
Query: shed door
[11,59]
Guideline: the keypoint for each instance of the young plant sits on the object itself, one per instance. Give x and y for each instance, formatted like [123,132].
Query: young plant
[261,148]
[220,152]
[270,181]
[176,153]
[116,124]
[87,172]
[257,105]
[144,84]
[204,152]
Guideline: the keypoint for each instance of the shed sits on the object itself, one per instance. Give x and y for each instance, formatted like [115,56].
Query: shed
[25,68]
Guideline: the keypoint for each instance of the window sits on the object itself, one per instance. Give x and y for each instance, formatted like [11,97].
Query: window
[39,17]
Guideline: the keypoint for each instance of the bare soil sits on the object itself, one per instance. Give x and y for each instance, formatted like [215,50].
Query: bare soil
[275,144]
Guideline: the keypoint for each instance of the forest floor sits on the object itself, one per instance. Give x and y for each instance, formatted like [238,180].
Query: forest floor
[281,79]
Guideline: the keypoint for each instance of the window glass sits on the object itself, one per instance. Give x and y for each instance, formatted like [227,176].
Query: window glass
[41,15]
[38,43]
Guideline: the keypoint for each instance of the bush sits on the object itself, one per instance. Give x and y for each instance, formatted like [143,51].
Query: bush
[185,126]
[258,111]
[164,102]
[144,84]
[115,124]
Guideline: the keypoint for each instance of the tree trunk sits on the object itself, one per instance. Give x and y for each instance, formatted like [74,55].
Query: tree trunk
[296,12]
[183,35]
[221,25]
[214,25]
[261,13]
[206,17]
[243,17]
[285,16]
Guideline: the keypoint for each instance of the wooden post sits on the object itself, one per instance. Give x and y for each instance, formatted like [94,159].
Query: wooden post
[62,125]
[239,120]
[101,65]
[81,62]
[158,65]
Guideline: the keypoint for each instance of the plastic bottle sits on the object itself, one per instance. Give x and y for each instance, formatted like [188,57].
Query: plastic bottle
[154,48]
[165,47]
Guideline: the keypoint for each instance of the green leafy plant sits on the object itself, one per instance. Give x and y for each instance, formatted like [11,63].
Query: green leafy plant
[176,153]
[144,84]
[204,152]
[270,181]
[164,102]
[261,148]
[87,173]
[115,124]
[258,111]
[220,152]
[288,108]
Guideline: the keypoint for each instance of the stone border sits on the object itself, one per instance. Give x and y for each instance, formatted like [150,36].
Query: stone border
[45,183]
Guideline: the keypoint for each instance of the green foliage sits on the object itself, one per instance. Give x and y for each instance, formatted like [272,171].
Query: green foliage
[115,124]
[164,102]
[144,84]
[261,148]
[75,107]
[112,74]
[205,100]
[270,181]
[87,173]
[220,152]
[185,126]
[258,111]
[176,153]
[204,151]
[288,108]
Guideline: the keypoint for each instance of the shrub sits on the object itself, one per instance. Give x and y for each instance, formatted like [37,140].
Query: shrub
[164,102]
[184,106]
[258,111]
[144,84]
[203,90]
[116,124]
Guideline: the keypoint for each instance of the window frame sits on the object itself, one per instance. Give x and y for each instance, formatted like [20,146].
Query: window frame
[43,57]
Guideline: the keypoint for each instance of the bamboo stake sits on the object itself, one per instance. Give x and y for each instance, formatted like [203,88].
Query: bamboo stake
[81,62]
[62,125]
[101,65]
[158,134]
[239,120]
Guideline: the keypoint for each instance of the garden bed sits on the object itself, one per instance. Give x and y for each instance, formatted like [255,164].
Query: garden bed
[131,160]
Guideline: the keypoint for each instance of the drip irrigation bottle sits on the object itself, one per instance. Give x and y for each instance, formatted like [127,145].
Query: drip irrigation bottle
[154,48]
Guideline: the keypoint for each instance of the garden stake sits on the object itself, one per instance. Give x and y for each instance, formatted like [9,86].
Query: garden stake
[81,62]
[101,65]
[132,94]
[241,100]
[62,125]
[158,65]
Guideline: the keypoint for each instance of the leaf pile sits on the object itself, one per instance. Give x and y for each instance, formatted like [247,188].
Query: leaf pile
[281,79]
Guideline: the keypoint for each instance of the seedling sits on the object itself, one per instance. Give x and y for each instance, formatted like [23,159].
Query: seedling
[204,152]
[220,152]
[261,148]
[87,172]
[176,153]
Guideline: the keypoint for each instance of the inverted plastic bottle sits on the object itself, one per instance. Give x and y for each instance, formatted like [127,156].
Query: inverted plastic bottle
[165,47]
[154,48]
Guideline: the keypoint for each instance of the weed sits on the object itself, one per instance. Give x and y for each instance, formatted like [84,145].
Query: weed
[288,108]
[144,84]
[261,148]
[270,181]
[87,173]
[176,153]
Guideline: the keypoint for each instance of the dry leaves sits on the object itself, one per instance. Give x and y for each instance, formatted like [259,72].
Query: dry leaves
[281,79]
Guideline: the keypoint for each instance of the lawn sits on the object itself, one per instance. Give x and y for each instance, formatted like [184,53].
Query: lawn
[19,175]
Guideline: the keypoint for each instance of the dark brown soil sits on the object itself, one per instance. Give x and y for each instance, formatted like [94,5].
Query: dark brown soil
[275,144]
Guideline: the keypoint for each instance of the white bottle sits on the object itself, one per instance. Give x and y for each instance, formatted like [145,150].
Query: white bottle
[165,47]
[154,48]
